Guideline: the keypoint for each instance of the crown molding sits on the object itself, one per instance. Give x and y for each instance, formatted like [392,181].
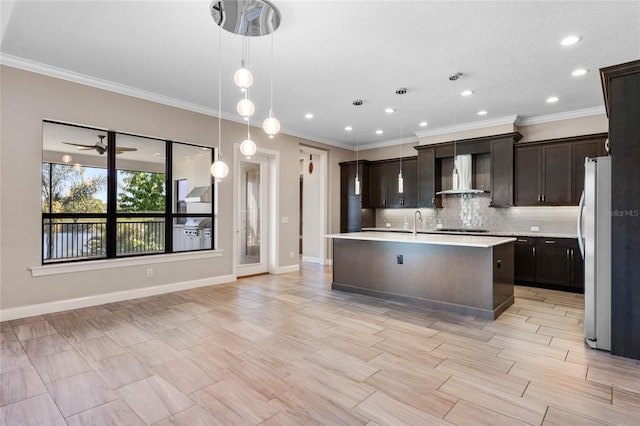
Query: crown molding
[391,142]
[98,83]
[561,116]
[511,119]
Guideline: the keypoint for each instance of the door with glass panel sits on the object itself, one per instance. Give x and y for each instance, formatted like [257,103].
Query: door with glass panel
[252,232]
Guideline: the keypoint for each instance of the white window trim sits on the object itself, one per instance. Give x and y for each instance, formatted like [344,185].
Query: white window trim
[95,265]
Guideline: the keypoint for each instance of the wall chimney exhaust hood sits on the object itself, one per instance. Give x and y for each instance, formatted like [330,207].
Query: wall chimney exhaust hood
[464,164]
[199,194]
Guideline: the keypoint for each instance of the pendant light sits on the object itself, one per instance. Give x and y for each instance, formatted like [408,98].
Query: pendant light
[271,125]
[401,91]
[243,77]
[357,103]
[219,168]
[245,107]
[248,147]
[454,177]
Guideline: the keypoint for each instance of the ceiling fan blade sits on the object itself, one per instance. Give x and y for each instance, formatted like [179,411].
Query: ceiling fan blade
[125,149]
[80,145]
[86,148]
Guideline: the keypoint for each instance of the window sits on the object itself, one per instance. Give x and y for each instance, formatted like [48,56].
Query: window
[107,195]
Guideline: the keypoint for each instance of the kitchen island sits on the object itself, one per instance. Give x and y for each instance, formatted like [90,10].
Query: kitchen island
[466,274]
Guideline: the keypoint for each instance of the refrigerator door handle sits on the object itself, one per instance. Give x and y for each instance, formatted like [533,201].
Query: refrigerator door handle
[579,225]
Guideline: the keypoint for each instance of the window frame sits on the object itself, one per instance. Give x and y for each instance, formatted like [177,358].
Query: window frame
[111,216]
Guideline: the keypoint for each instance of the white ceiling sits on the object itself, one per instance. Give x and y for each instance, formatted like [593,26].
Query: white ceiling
[327,54]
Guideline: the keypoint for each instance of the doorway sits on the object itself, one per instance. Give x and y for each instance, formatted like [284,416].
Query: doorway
[313,204]
[253,216]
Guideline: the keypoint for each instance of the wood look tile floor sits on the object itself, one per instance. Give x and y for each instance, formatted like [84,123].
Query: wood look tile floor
[287,350]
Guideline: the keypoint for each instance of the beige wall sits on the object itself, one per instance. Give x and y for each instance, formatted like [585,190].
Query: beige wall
[28,98]
[564,128]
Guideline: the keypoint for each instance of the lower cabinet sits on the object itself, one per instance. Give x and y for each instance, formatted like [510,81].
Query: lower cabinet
[549,262]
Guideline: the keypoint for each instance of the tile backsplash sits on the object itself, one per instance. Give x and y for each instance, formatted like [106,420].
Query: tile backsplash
[469,211]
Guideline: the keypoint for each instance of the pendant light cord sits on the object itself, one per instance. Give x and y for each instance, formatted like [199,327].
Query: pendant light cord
[219,92]
[271,77]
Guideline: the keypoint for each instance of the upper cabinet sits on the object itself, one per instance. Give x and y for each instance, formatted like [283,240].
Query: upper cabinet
[429,177]
[383,183]
[552,172]
[501,150]
[352,218]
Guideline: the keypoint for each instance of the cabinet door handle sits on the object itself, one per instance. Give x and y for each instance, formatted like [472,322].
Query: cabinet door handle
[549,242]
[522,241]
[533,249]
[571,254]
[539,198]
[567,253]
[543,198]
[433,200]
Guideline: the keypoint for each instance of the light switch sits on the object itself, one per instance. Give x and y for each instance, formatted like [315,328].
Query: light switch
[285,219]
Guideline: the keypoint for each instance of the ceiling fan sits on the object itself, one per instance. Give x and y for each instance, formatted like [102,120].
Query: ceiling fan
[101,147]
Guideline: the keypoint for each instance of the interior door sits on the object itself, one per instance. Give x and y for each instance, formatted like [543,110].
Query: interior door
[253,234]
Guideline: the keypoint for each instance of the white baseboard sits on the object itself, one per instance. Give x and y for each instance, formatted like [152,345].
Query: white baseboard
[286,269]
[312,259]
[99,299]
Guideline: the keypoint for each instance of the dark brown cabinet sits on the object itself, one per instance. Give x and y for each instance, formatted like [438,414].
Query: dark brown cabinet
[524,259]
[552,172]
[543,175]
[549,262]
[429,178]
[501,154]
[621,87]
[352,215]
[585,149]
[383,183]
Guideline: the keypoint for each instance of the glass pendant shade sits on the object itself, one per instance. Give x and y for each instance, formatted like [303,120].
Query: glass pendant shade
[271,126]
[455,179]
[400,183]
[243,78]
[357,185]
[245,108]
[248,148]
[67,158]
[219,169]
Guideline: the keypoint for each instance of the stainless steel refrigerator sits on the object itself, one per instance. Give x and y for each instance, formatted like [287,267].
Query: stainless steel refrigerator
[594,237]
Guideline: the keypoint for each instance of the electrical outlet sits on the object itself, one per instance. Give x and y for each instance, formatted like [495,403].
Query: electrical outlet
[149,272]
[534,228]
[387,225]
[400,259]
[439,226]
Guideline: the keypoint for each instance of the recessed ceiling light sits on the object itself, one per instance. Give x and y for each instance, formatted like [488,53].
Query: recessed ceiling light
[423,123]
[348,128]
[390,110]
[579,72]
[308,115]
[568,41]
[379,132]
[483,112]
[552,99]
[467,93]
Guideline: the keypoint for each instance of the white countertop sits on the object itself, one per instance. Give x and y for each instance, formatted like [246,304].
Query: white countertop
[437,239]
[490,233]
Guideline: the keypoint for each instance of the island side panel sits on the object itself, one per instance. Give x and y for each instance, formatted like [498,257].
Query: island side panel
[503,259]
[453,277]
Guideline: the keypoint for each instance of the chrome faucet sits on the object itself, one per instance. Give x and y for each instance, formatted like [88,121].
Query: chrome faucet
[416,215]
